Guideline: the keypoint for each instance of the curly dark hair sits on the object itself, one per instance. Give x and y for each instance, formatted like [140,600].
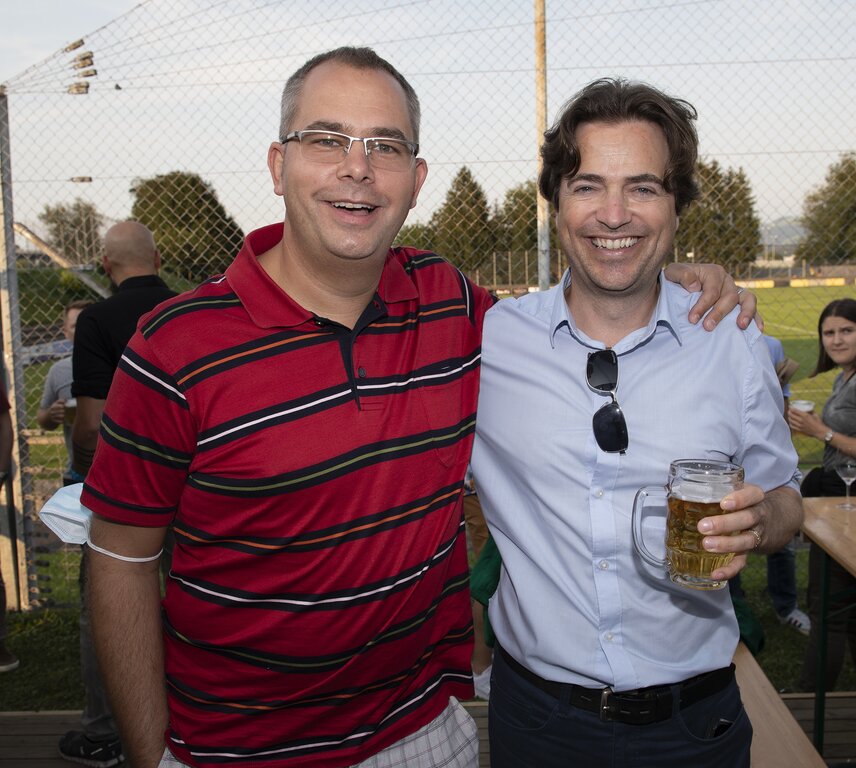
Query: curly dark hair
[613,101]
[845,308]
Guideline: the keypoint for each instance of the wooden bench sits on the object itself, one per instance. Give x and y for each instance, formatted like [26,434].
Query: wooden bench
[778,741]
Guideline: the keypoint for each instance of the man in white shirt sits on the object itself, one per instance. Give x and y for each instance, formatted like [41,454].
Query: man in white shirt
[602,660]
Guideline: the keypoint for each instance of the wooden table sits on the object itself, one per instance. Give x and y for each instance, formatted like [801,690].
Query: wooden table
[834,530]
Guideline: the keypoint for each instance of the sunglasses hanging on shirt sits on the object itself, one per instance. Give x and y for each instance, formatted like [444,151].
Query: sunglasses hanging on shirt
[608,424]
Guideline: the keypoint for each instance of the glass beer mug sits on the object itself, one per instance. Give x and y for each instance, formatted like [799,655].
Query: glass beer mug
[694,490]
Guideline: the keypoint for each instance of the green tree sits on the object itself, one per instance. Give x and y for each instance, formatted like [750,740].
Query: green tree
[416,236]
[515,221]
[195,235]
[829,216]
[74,230]
[462,226]
[722,226]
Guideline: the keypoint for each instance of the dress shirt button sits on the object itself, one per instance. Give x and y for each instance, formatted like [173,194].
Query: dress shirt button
[599,493]
[603,565]
[608,637]
[361,372]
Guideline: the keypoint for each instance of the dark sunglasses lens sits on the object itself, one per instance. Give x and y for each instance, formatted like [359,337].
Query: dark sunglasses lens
[602,370]
[610,429]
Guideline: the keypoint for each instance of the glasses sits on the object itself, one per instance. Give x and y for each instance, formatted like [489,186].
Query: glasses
[608,424]
[383,152]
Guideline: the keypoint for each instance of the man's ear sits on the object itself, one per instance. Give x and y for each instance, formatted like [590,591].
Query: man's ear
[275,160]
[421,169]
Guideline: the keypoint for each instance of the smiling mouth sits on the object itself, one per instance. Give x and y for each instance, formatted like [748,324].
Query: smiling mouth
[614,244]
[364,207]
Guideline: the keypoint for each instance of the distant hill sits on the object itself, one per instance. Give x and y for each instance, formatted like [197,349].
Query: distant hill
[784,232]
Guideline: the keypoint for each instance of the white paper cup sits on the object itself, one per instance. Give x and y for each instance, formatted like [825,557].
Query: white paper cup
[802,405]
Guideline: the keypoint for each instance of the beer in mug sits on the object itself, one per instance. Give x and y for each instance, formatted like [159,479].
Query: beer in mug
[694,490]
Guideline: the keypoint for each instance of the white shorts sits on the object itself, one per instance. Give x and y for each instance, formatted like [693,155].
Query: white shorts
[450,740]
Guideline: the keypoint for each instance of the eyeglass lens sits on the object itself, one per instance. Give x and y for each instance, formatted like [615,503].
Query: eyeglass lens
[608,423]
[329,147]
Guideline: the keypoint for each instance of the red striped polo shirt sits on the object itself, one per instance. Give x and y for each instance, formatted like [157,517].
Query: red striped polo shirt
[317,609]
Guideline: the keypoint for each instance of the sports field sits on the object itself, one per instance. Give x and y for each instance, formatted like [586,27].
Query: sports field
[790,314]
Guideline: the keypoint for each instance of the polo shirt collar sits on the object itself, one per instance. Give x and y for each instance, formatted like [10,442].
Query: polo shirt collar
[663,317]
[270,307]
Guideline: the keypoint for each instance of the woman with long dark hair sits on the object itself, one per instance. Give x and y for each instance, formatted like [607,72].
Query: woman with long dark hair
[836,428]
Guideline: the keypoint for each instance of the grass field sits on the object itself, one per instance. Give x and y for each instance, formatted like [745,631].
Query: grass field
[790,314]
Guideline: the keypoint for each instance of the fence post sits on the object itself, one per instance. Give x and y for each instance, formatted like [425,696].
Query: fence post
[13,555]
[542,206]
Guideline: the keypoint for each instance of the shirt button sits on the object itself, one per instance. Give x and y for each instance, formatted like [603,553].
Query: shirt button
[608,637]
[599,493]
[603,565]
[361,372]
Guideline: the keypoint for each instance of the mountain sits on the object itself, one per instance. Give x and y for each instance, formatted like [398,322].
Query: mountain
[784,232]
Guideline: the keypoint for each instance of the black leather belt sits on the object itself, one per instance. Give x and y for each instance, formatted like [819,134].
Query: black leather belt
[640,707]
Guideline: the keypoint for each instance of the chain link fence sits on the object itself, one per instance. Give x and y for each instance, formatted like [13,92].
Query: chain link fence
[165,115]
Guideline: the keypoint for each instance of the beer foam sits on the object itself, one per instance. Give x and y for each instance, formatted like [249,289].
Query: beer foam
[700,487]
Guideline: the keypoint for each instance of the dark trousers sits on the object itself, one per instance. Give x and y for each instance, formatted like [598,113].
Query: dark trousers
[841,624]
[531,729]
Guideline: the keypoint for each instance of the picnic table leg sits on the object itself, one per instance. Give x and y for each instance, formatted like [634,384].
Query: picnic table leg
[820,687]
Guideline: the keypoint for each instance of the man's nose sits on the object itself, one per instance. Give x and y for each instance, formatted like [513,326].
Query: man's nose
[613,210]
[356,162]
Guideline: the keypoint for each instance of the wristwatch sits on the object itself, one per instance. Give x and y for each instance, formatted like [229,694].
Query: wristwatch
[827,438]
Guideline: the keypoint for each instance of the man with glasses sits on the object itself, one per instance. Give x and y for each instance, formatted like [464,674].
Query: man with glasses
[588,392]
[304,422]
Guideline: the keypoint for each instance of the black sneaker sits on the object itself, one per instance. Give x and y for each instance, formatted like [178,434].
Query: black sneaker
[77,747]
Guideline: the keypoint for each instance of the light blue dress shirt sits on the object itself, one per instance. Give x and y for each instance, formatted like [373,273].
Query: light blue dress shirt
[575,604]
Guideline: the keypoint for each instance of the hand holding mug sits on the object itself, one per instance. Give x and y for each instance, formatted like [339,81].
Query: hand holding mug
[56,412]
[702,534]
[805,421]
[731,531]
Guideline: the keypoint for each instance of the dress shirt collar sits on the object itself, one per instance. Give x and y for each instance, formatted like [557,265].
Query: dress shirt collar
[664,316]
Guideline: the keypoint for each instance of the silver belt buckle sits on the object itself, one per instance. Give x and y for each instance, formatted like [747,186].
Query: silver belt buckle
[605,708]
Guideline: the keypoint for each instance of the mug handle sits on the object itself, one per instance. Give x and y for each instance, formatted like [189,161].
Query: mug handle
[638,514]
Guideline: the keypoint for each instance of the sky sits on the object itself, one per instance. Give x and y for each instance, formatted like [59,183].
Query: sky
[34,29]
[203,88]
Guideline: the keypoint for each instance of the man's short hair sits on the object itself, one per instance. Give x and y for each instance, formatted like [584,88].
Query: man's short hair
[359,58]
[614,101]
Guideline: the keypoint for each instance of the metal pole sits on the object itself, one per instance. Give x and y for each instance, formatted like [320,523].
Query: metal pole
[14,553]
[540,127]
